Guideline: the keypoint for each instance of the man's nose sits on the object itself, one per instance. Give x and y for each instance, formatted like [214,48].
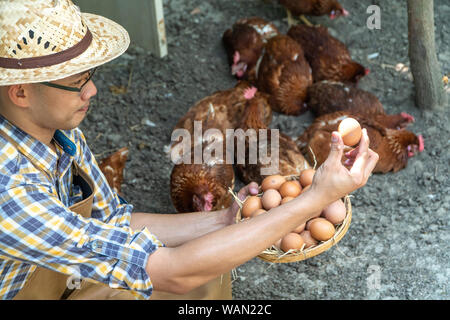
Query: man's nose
[89,91]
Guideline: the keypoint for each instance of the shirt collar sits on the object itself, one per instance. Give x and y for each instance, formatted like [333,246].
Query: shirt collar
[34,149]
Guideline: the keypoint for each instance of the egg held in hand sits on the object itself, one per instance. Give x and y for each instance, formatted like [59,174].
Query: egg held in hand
[350,130]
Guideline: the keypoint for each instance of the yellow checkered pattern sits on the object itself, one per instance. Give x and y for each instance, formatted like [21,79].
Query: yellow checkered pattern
[37,228]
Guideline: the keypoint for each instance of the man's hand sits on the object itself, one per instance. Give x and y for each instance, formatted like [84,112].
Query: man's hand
[250,189]
[333,180]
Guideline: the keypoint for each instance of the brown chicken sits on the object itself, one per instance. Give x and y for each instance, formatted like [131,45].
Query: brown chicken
[394,147]
[289,160]
[329,58]
[200,180]
[244,44]
[314,7]
[113,167]
[223,109]
[203,186]
[330,96]
[285,75]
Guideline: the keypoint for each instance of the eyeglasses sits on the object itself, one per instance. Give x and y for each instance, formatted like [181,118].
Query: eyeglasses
[89,75]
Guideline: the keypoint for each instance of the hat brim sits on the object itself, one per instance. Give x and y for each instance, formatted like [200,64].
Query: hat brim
[109,40]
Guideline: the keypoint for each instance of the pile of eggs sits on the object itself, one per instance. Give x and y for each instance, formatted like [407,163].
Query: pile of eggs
[277,190]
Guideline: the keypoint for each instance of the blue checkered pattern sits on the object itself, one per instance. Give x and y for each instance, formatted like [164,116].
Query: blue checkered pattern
[38,229]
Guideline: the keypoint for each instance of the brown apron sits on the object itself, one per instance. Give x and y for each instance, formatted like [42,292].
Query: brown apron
[46,284]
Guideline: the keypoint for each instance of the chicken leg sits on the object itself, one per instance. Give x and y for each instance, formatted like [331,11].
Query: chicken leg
[292,21]
[306,21]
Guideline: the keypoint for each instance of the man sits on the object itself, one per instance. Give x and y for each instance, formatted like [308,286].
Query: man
[58,216]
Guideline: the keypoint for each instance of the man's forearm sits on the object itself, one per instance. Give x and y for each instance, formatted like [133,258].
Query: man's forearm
[176,229]
[204,258]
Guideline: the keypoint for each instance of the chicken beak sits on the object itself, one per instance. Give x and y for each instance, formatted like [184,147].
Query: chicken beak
[238,69]
[410,151]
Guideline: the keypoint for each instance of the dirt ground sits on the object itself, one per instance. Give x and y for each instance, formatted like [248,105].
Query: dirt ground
[397,246]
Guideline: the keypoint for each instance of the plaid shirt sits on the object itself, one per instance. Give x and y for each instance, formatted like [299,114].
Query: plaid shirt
[37,227]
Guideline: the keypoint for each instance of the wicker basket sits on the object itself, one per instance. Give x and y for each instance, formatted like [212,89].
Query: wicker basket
[276,255]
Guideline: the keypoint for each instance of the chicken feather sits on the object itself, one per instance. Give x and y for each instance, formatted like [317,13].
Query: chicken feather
[329,58]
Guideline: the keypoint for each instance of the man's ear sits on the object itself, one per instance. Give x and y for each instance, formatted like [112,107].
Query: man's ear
[19,95]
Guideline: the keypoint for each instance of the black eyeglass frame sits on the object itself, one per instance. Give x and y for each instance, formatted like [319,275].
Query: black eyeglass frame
[73,89]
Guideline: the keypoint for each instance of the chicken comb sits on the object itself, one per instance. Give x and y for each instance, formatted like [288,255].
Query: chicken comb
[250,92]
[421,143]
[236,57]
[407,116]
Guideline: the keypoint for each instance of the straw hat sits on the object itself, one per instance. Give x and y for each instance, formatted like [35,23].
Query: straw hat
[46,40]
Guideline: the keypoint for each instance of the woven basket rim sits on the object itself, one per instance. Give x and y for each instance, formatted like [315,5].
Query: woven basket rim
[276,257]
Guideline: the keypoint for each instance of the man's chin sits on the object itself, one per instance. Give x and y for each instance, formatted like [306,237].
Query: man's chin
[72,125]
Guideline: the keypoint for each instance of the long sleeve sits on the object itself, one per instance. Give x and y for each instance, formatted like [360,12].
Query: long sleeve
[37,228]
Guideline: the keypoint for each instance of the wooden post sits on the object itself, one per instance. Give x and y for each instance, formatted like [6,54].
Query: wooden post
[430,93]
[143,19]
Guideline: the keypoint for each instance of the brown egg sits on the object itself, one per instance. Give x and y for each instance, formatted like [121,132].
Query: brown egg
[251,205]
[300,228]
[286,199]
[290,189]
[272,182]
[350,130]
[291,241]
[305,188]
[308,223]
[271,198]
[306,177]
[321,229]
[257,212]
[297,182]
[278,244]
[309,241]
[335,212]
